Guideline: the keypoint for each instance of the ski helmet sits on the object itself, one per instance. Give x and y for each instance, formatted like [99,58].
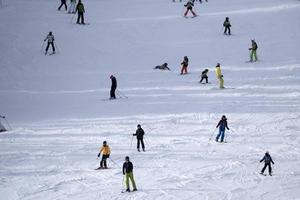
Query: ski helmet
[104,142]
[127,158]
[139,126]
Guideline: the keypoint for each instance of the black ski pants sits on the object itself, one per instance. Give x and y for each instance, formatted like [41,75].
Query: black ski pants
[206,79]
[140,140]
[52,44]
[227,28]
[103,161]
[113,92]
[63,2]
[80,17]
[270,168]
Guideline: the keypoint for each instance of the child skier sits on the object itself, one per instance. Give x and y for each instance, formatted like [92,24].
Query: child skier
[189,7]
[140,137]
[63,2]
[162,67]
[268,160]
[113,87]
[204,76]
[105,150]
[227,26]
[253,55]
[222,125]
[184,64]
[80,10]
[72,8]
[50,41]
[127,172]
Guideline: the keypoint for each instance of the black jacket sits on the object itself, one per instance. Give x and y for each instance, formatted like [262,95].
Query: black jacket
[204,74]
[113,82]
[185,62]
[139,133]
[222,124]
[267,158]
[127,167]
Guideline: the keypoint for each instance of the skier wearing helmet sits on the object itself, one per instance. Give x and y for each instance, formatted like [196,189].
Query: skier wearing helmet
[140,137]
[105,150]
[127,172]
[222,125]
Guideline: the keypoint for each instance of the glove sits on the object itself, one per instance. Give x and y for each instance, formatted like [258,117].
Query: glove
[98,155]
[108,155]
[44,40]
[227,128]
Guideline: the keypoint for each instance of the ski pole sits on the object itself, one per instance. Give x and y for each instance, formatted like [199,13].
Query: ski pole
[114,162]
[131,142]
[55,44]
[122,191]
[122,94]
[212,134]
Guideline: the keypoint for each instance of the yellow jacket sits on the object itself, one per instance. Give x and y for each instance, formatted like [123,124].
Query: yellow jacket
[105,150]
[218,72]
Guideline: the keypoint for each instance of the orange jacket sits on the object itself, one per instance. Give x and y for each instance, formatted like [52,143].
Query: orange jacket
[105,150]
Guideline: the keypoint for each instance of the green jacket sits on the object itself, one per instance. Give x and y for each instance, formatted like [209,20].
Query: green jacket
[80,8]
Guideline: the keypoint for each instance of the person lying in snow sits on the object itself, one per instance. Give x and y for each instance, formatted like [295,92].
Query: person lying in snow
[162,67]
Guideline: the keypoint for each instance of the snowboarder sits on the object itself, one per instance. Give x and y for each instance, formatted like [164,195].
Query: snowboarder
[204,76]
[50,40]
[227,26]
[72,8]
[80,10]
[113,87]
[268,160]
[127,172]
[189,7]
[140,137]
[105,150]
[162,67]
[253,55]
[184,64]
[63,2]
[222,125]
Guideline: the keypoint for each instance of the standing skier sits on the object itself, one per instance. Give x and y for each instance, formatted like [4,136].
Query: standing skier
[140,137]
[2,128]
[253,55]
[268,160]
[50,41]
[113,87]
[80,10]
[105,150]
[227,26]
[222,125]
[204,76]
[127,172]
[221,80]
[189,7]
[63,2]
[72,8]
[185,64]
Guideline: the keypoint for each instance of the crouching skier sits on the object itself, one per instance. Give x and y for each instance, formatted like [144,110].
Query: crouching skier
[105,150]
[127,172]
[268,160]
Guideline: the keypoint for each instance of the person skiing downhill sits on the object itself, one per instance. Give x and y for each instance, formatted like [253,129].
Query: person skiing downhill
[189,7]
[50,41]
[105,150]
[127,172]
[268,160]
[72,8]
[113,87]
[140,137]
[227,26]
[185,64]
[253,55]
[204,76]
[222,125]
[63,2]
[80,10]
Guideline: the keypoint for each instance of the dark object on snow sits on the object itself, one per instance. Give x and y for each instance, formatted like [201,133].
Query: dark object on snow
[113,87]
[50,41]
[140,137]
[268,160]
[2,128]
[185,64]
[162,67]
[227,26]
[222,125]
[204,76]
[63,2]
[80,10]
[189,7]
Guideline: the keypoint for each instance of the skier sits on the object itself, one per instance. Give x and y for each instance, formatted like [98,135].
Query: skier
[127,172]
[63,2]
[219,75]
[227,26]
[50,40]
[253,51]
[268,160]
[162,67]
[140,137]
[189,7]
[2,128]
[105,150]
[81,11]
[72,8]
[184,64]
[113,87]
[221,80]
[204,76]
[222,125]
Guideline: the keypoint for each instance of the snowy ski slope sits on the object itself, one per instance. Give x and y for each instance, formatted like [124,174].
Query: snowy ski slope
[56,104]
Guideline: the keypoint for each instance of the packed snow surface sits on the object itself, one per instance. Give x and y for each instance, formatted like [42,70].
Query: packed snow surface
[59,110]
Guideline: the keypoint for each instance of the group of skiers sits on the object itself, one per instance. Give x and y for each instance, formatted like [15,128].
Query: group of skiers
[79,8]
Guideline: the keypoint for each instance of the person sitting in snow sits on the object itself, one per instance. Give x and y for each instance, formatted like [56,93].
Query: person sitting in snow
[189,7]
[105,150]
[222,125]
[204,76]
[268,160]
[162,67]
